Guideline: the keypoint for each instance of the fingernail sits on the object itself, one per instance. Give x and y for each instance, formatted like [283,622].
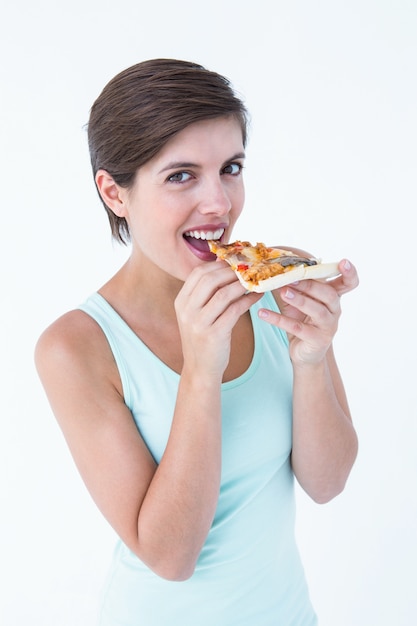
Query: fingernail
[347,265]
[263,313]
[289,294]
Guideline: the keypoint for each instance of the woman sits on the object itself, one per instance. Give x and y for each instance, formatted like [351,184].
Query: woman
[188,404]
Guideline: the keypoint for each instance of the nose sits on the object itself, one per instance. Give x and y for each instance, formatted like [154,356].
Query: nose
[215,198]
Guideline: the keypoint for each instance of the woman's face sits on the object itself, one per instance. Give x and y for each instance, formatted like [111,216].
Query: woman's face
[191,191]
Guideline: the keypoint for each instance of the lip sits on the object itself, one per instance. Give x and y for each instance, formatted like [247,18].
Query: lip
[204,255]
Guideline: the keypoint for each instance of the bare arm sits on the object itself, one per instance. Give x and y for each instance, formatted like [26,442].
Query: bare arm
[163,513]
[324,440]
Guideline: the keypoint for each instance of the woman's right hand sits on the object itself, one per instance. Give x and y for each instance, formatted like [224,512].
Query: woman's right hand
[208,307]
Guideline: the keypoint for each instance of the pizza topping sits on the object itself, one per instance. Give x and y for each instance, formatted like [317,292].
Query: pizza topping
[287,260]
[259,262]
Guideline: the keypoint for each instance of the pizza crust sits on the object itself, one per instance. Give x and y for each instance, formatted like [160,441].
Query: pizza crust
[321,271]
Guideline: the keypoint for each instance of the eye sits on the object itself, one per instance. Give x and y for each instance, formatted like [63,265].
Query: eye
[233,168]
[179,177]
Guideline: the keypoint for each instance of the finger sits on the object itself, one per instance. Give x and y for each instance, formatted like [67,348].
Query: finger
[292,326]
[208,295]
[315,292]
[348,279]
[317,313]
[217,274]
[228,302]
[240,306]
[203,283]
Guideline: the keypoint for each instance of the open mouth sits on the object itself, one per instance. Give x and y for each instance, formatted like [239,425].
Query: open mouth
[197,240]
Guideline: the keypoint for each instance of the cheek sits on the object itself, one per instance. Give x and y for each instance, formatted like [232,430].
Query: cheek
[239,202]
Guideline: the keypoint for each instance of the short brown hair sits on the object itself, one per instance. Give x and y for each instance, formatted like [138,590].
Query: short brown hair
[143,107]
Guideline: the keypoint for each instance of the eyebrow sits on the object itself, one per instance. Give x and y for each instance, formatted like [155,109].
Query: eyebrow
[176,165]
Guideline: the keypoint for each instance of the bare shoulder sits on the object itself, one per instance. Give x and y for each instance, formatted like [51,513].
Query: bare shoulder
[74,348]
[70,335]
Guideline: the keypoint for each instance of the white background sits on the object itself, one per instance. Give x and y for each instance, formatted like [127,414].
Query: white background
[331,86]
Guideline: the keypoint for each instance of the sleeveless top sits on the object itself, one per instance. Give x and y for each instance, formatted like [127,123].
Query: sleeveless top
[249,571]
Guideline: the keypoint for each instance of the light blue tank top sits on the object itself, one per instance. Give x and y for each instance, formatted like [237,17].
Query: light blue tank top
[249,571]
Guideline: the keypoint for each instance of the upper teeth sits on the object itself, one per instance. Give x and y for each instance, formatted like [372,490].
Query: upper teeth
[205,234]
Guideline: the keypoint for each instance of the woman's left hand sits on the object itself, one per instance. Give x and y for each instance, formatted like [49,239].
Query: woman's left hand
[310,312]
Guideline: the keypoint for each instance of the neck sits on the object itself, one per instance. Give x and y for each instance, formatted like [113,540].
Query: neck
[141,285]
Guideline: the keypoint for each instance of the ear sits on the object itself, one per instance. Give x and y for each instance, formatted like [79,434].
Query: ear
[111,193]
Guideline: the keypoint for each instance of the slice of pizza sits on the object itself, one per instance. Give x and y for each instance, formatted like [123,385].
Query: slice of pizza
[261,268]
